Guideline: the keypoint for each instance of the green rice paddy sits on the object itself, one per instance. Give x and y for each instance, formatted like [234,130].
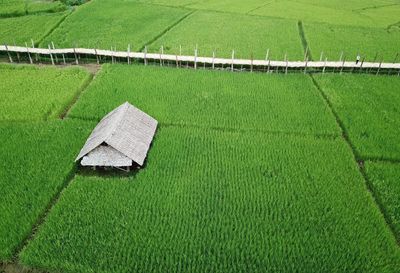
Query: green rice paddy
[248,172]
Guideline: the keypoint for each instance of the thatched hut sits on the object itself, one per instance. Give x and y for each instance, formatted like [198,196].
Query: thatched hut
[121,139]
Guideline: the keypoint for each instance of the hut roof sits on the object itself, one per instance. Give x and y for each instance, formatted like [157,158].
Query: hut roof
[126,129]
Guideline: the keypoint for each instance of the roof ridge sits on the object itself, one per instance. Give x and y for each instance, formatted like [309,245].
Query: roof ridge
[120,118]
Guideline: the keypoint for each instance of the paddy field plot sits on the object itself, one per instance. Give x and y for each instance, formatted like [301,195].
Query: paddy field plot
[9,8]
[373,44]
[223,32]
[386,186]
[369,107]
[317,11]
[212,201]
[28,27]
[32,93]
[106,24]
[233,6]
[258,102]
[350,5]
[36,159]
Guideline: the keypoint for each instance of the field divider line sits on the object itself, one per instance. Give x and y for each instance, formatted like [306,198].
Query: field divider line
[259,7]
[381,160]
[42,217]
[154,39]
[84,86]
[41,39]
[359,162]
[304,42]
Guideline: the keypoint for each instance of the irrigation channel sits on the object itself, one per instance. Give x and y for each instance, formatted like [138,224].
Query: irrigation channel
[84,55]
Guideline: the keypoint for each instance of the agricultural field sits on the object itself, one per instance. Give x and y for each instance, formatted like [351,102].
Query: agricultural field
[36,159]
[368,107]
[222,33]
[373,44]
[30,27]
[213,201]
[10,8]
[261,171]
[385,182]
[126,23]
[45,91]
[209,99]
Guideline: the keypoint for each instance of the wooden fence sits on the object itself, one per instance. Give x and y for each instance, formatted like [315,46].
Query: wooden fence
[61,56]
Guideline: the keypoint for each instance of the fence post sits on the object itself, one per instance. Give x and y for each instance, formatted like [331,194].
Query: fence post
[76,57]
[29,54]
[376,57]
[18,58]
[344,60]
[180,55]
[233,57]
[97,56]
[362,63]
[305,67]
[161,53]
[323,70]
[129,52]
[251,63]
[8,53]
[320,57]
[195,58]
[379,68]
[266,58]
[55,55]
[340,59]
[33,46]
[213,59]
[145,55]
[286,68]
[51,56]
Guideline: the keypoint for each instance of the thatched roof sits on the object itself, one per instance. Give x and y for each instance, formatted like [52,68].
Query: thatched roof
[127,129]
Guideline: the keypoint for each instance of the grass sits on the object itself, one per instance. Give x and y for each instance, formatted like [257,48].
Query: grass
[10,8]
[32,93]
[225,100]
[124,23]
[36,158]
[226,32]
[368,107]
[234,6]
[212,201]
[28,27]
[385,180]
[317,12]
[368,42]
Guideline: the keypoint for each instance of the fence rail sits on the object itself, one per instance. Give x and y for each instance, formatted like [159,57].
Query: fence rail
[195,61]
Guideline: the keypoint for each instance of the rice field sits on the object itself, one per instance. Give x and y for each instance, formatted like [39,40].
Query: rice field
[209,99]
[125,23]
[36,159]
[31,93]
[248,172]
[224,32]
[10,8]
[211,201]
[384,177]
[373,44]
[31,27]
[368,107]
